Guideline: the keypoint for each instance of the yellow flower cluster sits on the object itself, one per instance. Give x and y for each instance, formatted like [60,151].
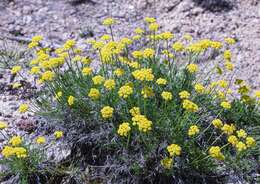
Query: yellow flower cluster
[23,108]
[124,129]
[3,125]
[125,91]
[19,152]
[167,163]
[142,122]
[71,100]
[109,22]
[47,76]
[16,69]
[148,53]
[184,94]
[15,140]
[135,111]
[225,105]
[217,123]
[86,71]
[192,68]
[143,74]
[215,152]
[94,93]
[97,80]
[161,81]
[58,134]
[189,106]
[199,88]
[166,95]
[107,112]
[110,84]
[41,140]
[35,42]
[147,92]
[228,129]
[178,46]
[193,130]
[174,150]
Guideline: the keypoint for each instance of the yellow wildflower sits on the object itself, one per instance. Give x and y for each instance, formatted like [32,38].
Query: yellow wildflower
[71,100]
[161,81]
[232,140]
[119,72]
[135,111]
[16,69]
[184,94]
[23,108]
[166,95]
[107,112]
[109,22]
[94,93]
[142,122]
[148,53]
[230,41]
[41,140]
[178,46]
[228,129]
[193,130]
[47,76]
[240,146]
[153,26]
[3,125]
[199,88]
[98,79]
[215,152]
[250,142]
[241,133]
[189,106]
[167,163]
[192,68]
[174,150]
[58,134]
[217,123]
[225,105]
[110,84]
[15,140]
[125,91]
[124,129]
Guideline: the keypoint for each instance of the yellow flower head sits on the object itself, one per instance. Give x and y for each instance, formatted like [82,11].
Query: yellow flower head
[94,93]
[225,105]
[232,140]
[228,129]
[41,140]
[125,91]
[241,133]
[20,152]
[189,106]
[86,71]
[15,140]
[230,41]
[23,108]
[166,35]
[47,76]
[58,134]
[142,122]
[109,22]
[110,84]
[250,142]
[166,95]
[229,65]
[98,79]
[135,111]
[71,100]
[124,129]
[69,44]
[217,123]
[58,95]
[150,20]
[119,72]
[193,130]
[153,26]
[192,68]
[227,55]
[178,46]
[16,85]
[199,88]
[105,37]
[215,152]
[107,112]
[174,150]
[161,81]
[148,53]
[16,69]
[139,31]
[37,38]
[240,146]
[3,125]
[257,94]
[35,70]
[167,163]
[184,94]
[144,74]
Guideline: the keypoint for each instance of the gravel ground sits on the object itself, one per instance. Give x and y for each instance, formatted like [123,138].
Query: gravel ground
[58,20]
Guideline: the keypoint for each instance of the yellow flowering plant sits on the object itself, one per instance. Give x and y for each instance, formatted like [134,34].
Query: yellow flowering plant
[146,98]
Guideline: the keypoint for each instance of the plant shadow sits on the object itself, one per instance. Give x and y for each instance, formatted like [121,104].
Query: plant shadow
[215,5]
